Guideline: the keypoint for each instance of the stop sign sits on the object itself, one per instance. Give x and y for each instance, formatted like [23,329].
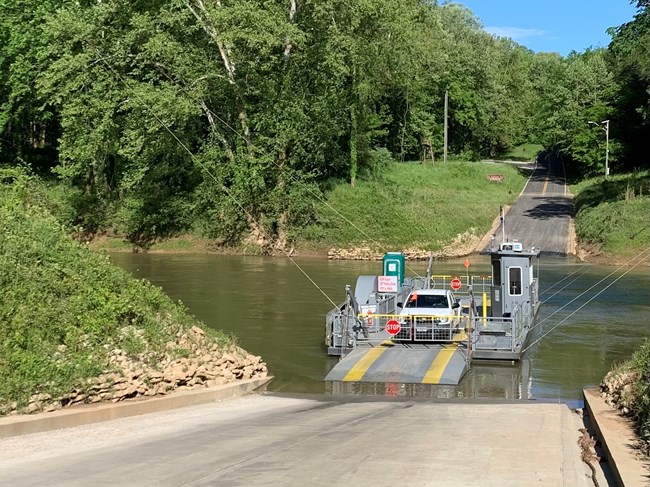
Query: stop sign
[455,284]
[393,327]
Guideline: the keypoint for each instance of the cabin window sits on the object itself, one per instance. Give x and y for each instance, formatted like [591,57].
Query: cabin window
[514,281]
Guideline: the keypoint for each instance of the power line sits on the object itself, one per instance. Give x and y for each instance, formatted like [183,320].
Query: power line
[562,280]
[207,171]
[563,287]
[314,193]
[641,260]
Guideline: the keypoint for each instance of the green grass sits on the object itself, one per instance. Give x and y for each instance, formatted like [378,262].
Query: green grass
[523,152]
[175,245]
[637,397]
[415,205]
[112,245]
[613,213]
[64,307]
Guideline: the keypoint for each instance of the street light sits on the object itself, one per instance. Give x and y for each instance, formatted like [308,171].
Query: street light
[606,129]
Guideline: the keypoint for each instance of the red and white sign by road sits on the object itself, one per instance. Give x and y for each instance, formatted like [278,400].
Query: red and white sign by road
[393,327]
[455,284]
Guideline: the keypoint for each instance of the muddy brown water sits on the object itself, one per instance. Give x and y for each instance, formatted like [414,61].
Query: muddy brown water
[276,312]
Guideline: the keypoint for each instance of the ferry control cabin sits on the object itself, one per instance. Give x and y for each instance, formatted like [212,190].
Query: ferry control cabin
[513,302]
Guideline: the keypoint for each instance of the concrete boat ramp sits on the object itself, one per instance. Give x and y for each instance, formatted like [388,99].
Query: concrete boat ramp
[213,437]
[311,440]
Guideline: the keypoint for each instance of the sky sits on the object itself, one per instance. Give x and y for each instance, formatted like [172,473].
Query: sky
[553,25]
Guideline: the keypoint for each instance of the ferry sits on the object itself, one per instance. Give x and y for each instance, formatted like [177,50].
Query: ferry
[395,328]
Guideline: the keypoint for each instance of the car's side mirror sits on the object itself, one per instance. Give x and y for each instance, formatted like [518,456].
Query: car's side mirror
[455,306]
[400,305]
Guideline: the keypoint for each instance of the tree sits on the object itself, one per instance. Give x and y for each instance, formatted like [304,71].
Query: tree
[629,59]
[28,124]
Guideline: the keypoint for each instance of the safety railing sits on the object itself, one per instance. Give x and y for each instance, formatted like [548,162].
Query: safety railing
[502,333]
[339,324]
[479,283]
[417,328]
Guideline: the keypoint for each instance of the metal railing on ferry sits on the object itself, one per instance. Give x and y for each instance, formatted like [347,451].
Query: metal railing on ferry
[502,333]
[479,283]
[417,328]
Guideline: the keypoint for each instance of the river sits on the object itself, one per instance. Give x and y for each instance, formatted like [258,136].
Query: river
[276,312]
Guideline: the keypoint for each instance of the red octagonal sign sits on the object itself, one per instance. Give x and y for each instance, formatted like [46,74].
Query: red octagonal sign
[455,284]
[393,327]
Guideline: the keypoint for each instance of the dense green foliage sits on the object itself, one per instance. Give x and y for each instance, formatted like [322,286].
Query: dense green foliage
[63,307]
[613,213]
[634,393]
[416,205]
[641,364]
[523,152]
[228,118]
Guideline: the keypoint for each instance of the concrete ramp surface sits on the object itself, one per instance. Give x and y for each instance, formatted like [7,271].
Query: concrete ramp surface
[403,363]
[310,441]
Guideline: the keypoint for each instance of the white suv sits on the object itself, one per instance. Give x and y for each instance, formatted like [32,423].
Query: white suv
[428,315]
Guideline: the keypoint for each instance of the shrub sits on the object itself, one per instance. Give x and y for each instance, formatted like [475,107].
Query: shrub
[64,307]
[641,363]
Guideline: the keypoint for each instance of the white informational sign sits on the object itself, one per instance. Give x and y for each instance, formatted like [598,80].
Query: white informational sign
[387,284]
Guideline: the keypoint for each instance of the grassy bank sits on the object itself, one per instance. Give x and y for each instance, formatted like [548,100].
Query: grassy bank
[627,387]
[523,152]
[414,205]
[65,310]
[612,214]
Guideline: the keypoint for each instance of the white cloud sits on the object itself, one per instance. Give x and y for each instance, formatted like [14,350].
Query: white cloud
[515,33]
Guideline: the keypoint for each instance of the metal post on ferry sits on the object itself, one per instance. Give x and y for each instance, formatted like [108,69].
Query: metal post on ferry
[470,322]
[429,269]
[346,325]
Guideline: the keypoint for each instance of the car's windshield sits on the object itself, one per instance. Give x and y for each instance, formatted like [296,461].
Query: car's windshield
[426,301]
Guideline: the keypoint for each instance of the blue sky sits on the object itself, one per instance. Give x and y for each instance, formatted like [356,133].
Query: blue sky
[553,25]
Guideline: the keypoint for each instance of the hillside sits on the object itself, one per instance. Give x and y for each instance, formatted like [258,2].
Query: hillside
[611,220]
[76,329]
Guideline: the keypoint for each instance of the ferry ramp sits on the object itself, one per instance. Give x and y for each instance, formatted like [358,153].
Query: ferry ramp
[542,215]
[311,441]
[404,363]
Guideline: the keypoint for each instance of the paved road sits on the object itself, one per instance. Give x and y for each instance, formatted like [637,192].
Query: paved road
[314,441]
[541,216]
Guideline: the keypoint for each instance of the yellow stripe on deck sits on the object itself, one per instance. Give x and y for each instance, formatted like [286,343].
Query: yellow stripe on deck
[360,368]
[439,365]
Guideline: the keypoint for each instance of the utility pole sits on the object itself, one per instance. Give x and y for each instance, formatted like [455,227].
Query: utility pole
[606,122]
[444,156]
[606,129]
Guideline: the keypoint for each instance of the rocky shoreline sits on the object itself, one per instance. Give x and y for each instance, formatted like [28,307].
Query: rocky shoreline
[463,245]
[616,389]
[205,365]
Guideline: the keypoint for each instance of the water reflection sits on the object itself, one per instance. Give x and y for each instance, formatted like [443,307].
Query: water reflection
[276,313]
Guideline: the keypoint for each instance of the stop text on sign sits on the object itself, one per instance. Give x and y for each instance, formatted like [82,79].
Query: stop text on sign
[393,327]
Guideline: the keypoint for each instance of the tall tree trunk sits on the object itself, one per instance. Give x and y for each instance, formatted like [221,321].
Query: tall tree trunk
[281,159]
[217,132]
[283,217]
[198,9]
[353,145]
[288,45]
